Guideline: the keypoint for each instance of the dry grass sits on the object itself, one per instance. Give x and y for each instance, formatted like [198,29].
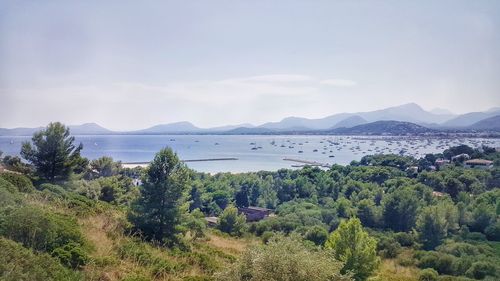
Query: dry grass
[391,270]
[99,230]
[229,245]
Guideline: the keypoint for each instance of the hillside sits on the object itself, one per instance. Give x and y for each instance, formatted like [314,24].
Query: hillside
[492,123]
[384,128]
[469,119]
[178,127]
[351,122]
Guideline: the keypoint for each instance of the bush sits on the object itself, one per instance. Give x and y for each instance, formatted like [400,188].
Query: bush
[283,258]
[231,222]
[480,270]
[405,239]
[428,274]
[6,185]
[39,229]
[7,197]
[317,234]
[442,263]
[162,267]
[71,255]
[19,263]
[136,251]
[21,182]
[266,236]
[388,247]
[493,231]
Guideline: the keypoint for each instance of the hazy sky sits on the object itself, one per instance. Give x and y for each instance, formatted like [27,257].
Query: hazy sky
[132,64]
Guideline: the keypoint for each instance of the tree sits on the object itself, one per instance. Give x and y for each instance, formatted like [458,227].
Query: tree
[104,167]
[434,222]
[53,153]
[367,213]
[231,222]
[428,274]
[400,209]
[156,212]
[317,234]
[355,248]
[283,259]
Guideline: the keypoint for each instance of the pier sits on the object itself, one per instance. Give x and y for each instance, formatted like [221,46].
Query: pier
[308,163]
[130,164]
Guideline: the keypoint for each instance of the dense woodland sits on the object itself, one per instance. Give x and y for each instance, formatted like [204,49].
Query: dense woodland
[386,217]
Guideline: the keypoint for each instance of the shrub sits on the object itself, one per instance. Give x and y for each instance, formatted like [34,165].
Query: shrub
[317,234]
[19,263]
[136,251]
[6,185]
[388,247]
[493,231]
[283,258]
[442,263]
[39,229]
[480,270]
[405,239]
[71,255]
[21,182]
[428,274]
[162,267]
[231,222]
[266,236]
[7,197]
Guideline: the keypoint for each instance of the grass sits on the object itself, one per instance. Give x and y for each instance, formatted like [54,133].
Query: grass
[392,270]
[119,257]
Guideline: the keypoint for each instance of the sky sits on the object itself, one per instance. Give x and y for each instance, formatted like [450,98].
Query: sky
[133,64]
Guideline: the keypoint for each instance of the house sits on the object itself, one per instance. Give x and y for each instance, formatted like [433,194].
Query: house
[441,162]
[212,221]
[460,157]
[254,213]
[478,163]
[438,194]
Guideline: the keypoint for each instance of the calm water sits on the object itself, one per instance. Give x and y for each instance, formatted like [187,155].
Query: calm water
[267,154]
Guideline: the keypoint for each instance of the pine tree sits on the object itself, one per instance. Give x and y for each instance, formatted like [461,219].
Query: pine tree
[53,153]
[355,248]
[156,213]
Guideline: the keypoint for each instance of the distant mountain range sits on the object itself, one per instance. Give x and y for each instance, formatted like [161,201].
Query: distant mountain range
[409,118]
[384,127]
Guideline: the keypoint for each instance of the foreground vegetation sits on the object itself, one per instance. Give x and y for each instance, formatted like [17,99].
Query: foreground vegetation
[386,217]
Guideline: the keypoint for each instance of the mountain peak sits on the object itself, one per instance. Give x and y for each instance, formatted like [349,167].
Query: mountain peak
[410,105]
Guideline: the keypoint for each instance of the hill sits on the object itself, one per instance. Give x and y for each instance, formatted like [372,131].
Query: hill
[410,112]
[89,129]
[384,128]
[84,129]
[492,123]
[351,122]
[469,119]
[178,127]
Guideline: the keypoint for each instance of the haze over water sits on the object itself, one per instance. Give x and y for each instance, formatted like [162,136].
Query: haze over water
[254,152]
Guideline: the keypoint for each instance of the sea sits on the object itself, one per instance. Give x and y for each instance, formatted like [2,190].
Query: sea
[252,153]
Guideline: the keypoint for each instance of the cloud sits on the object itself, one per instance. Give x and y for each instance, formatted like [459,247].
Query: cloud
[338,82]
[275,78]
